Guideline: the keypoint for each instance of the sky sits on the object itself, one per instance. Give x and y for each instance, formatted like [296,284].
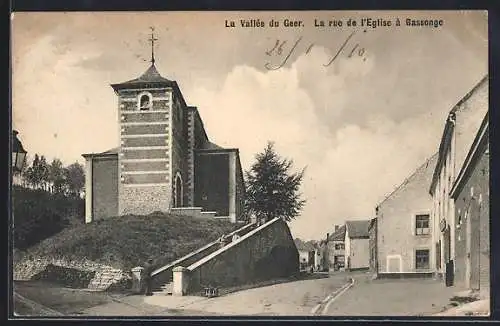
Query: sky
[359,126]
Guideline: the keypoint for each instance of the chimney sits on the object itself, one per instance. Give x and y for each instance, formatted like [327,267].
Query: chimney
[336,228]
[327,236]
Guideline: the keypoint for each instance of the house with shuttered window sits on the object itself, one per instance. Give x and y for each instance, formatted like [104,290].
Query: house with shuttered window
[401,238]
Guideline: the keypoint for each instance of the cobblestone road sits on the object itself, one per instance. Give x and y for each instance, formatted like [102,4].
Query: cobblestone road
[400,297]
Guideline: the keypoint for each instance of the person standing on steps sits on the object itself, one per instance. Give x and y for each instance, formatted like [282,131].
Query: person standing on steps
[148,270]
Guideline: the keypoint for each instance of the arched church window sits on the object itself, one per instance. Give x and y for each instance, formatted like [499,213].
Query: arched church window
[178,191]
[145,101]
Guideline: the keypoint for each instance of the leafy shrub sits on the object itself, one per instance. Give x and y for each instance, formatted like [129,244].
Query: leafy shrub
[38,214]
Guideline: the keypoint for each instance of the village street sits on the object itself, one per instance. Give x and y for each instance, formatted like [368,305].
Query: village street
[366,297]
[292,298]
[323,296]
[391,297]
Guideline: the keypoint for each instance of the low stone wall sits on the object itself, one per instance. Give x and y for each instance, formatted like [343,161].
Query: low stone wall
[76,273]
[65,276]
[265,253]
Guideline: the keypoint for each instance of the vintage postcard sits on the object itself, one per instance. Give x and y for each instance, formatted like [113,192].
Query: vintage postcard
[316,163]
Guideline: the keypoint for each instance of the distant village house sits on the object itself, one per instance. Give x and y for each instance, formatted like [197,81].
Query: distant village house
[335,251]
[357,244]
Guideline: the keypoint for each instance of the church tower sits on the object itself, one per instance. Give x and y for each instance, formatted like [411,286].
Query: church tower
[152,167]
[165,161]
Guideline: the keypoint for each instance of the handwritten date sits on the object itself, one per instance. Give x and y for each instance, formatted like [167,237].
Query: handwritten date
[281,50]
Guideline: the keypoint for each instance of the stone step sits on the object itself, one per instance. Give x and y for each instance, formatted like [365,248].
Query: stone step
[208,214]
[165,289]
[187,211]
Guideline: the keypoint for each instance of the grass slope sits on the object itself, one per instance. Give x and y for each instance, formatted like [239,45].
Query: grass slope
[127,241]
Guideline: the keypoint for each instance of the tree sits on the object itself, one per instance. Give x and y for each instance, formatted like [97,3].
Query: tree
[75,178]
[56,175]
[33,172]
[25,173]
[272,189]
[44,172]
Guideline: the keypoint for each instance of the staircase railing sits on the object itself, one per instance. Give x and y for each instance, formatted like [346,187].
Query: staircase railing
[164,274]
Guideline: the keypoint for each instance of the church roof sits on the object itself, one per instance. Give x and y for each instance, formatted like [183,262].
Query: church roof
[150,76]
[358,229]
[112,151]
[210,145]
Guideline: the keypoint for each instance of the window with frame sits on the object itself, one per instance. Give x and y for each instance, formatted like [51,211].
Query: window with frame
[422,224]
[422,259]
[145,102]
[339,259]
[339,246]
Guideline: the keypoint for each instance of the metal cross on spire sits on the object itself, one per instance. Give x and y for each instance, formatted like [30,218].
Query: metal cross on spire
[152,39]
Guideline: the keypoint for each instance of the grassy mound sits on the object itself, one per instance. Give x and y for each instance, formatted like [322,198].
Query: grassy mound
[127,241]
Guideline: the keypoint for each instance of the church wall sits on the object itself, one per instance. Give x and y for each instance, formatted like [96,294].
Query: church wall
[138,179]
[132,93]
[129,106]
[212,182]
[190,155]
[135,116]
[146,129]
[240,189]
[145,155]
[179,144]
[104,187]
[145,141]
[145,166]
[140,154]
[200,137]
[144,200]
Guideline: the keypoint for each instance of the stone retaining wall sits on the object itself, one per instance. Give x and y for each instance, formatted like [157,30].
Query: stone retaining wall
[75,271]
[267,252]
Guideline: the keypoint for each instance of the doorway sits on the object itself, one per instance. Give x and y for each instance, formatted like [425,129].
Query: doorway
[468,249]
[394,264]
[178,202]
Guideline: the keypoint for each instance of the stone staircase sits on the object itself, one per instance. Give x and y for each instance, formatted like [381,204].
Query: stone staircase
[163,277]
[164,289]
[104,278]
[193,212]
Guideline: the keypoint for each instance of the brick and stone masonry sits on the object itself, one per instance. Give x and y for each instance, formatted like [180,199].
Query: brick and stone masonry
[145,155]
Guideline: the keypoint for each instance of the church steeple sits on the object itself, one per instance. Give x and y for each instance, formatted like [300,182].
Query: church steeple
[152,39]
[151,77]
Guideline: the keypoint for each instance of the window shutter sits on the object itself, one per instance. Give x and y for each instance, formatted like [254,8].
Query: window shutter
[413,225]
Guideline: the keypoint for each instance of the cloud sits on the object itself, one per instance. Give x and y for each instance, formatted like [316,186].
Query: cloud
[347,171]
[61,111]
